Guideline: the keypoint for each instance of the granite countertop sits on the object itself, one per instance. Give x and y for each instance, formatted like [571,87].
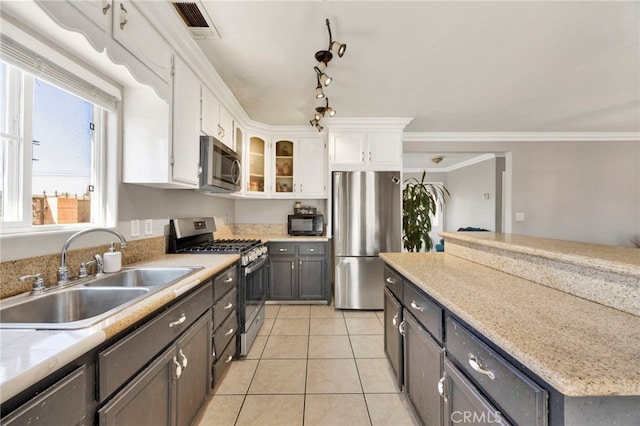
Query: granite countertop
[29,356]
[621,260]
[579,347]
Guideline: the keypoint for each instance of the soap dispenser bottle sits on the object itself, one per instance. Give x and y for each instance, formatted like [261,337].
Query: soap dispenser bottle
[112,260]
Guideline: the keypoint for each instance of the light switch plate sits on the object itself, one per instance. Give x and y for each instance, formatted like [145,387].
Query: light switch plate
[135,228]
[148,227]
[519,217]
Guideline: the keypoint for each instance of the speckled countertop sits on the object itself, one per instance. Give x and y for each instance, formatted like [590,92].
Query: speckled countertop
[579,347]
[28,356]
[621,260]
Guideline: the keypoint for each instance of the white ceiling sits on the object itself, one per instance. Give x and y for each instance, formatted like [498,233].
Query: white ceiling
[543,66]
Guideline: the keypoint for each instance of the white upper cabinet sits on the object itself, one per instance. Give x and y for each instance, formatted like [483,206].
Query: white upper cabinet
[366,144]
[216,120]
[161,142]
[311,173]
[132,30]
[186,120]
[299,167]
[100,13]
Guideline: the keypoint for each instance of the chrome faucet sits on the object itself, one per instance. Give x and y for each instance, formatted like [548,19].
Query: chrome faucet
[63,271]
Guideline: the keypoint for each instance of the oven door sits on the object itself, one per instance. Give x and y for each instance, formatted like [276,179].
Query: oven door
[256,281]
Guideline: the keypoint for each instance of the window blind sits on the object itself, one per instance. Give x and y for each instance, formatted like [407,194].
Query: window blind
[29,61]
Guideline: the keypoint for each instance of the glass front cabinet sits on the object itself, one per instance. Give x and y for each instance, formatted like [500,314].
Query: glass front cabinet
[256,182]
[285,167]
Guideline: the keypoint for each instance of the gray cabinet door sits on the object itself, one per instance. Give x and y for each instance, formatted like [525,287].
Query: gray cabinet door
[194,355]
[147,400]
[463,404]
[392,336]
[64,403]
[311,277]
[423,359]
[283,279]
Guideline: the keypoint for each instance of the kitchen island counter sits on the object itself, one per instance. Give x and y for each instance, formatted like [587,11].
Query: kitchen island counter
[579,347]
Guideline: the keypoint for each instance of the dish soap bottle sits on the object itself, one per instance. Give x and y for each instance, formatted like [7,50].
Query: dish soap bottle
[112,260]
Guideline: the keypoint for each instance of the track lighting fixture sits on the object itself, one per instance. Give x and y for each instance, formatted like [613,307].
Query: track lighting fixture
[324,78]
[319,92]
[323,57]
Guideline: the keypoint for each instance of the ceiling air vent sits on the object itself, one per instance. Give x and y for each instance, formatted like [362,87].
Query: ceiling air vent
[196,19]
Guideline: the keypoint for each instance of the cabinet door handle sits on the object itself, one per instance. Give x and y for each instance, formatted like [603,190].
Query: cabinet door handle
[312,250]
[179,321]
[390,280]
[213,352]
[417,307]
[394,321]
[282,250]
[106,8]
[123,16]
[229,306]
[228,360]
[402,328]
[184,359]
[177,372]
[230,332]
[477,366]
[369,155]
[228,280]
[441,388]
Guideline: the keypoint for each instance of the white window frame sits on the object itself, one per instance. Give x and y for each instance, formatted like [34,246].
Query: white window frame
[18,162]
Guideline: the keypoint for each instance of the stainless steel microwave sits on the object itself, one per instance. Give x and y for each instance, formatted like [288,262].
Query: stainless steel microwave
[220,169]
[305,224]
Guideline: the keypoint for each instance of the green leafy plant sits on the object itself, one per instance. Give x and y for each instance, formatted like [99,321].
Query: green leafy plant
[420,201]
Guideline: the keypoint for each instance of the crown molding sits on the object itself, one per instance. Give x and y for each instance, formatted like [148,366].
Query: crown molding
[520,136]
[367,123]
[460,165]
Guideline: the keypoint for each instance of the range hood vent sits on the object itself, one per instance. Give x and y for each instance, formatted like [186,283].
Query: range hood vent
[197,20]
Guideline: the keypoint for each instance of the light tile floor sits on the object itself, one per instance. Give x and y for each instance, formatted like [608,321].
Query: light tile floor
[311,365]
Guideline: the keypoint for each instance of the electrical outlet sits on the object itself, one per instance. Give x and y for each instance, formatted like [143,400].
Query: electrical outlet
[135,228]
[519,217]
[148,227]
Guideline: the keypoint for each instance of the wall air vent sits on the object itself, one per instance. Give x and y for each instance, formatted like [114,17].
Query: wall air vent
[195,17]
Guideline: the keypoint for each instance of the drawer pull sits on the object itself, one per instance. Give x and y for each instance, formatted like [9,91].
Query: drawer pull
[475,364]
[230,332]
[390,280]
[282,250]
[441,389]
[401,327]
[178,369]
[179,321]
[394,321]
[228,280]
[417,307]
[184,359]
[228,360]
[312,250]
[229,306]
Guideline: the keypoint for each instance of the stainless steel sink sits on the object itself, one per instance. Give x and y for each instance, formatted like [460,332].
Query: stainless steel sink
[68,308]
[142,277]
[89,301]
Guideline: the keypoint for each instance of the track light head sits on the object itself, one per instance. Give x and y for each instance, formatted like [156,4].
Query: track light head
[324,78]
[338,48]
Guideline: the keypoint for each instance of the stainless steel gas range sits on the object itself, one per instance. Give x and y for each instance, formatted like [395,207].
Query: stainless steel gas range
[195,235]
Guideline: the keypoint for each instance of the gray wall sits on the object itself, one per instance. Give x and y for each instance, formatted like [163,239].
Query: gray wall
[582,191]
[467,186]
[271,211]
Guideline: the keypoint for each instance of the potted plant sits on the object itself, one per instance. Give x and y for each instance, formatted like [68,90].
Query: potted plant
[420,201]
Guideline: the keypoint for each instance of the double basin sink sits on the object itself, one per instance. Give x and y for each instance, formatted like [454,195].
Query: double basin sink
[89,301]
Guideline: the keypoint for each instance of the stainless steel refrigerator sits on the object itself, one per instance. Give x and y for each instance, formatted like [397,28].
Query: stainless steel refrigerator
[366,220]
